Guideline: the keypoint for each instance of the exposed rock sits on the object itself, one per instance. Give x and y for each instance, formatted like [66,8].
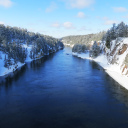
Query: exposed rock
[113,51]
[126,73]
[125,67]
[123,49]
[126,60]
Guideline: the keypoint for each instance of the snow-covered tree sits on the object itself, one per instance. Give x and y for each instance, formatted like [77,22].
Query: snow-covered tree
[95,50]
[12,39]
[79,48]
[121,30]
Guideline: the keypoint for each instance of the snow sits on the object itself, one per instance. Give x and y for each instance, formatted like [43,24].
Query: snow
[125,40]
[70,45]
[121,79]
[113,70]
[82,55]
[113,44]
[5,71]
[29,47]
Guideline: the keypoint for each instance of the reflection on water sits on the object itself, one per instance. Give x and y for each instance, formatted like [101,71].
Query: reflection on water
[16,76]
[63,91]
[119,92]
[37,63]
[32,65]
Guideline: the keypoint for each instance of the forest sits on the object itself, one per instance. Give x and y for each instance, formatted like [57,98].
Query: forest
[83,39]
[103,38]
[13,39]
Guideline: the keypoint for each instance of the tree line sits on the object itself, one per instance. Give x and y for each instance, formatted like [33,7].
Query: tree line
[83,39]
[12,40]
[115,32]
[121,30]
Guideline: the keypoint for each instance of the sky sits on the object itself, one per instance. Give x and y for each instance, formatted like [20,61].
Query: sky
[59,18]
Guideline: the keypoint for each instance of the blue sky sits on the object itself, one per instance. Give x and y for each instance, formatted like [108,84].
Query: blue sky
[60,18]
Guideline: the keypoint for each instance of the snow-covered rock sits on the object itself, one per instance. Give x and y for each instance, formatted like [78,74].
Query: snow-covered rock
[113,60]
[12,68]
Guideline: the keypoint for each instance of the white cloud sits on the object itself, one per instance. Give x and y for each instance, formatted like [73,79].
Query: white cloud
[56,25]
[110,22]
[1,22]
[78,3]
[119,9]
[81,15]
[31,29]
[125,16]
[105,18]
[83,28]
[6,3]
[68,25]
[52,7]
[107,21]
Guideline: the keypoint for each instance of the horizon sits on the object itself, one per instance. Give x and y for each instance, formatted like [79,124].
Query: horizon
[60,18]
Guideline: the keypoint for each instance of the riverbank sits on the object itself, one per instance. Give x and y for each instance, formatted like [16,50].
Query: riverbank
[69,45]
[9,72]
[112,70]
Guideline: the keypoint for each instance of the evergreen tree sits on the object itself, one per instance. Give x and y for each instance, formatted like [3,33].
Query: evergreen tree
[95,50]
[13,38]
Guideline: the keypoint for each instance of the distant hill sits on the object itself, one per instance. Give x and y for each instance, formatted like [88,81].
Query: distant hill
[83,39]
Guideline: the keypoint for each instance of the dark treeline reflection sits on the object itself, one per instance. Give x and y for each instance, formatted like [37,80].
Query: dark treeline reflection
[14,77]
[118,92]
[35,64]
[40,62]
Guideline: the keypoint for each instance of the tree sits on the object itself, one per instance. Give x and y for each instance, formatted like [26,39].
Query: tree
[113,32]
[13,38]
[108,39]
[95,50]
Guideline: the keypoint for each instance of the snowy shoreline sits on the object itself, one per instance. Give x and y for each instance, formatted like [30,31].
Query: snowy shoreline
[69,45]
[9,73]
[112,70]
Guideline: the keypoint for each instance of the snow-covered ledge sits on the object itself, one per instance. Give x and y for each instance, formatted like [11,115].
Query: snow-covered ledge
[113,70]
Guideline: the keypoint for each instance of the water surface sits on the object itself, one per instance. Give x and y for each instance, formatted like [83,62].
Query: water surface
[63,91]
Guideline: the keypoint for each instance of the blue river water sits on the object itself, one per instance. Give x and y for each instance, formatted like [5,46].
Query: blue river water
[63,91]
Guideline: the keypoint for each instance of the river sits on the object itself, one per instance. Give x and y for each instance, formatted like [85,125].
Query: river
[63,91]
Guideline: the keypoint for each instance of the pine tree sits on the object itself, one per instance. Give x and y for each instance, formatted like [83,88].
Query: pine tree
[95,50]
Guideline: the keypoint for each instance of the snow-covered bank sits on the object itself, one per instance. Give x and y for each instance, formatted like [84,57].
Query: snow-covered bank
[114,59]
[13,67]
[69,45]
[3,70]
[113,70]
[19,46]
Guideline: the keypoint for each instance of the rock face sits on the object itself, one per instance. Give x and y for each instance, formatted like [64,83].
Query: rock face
[123,49]
[118,54]
[125,66]
[115,56]
[126,60]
